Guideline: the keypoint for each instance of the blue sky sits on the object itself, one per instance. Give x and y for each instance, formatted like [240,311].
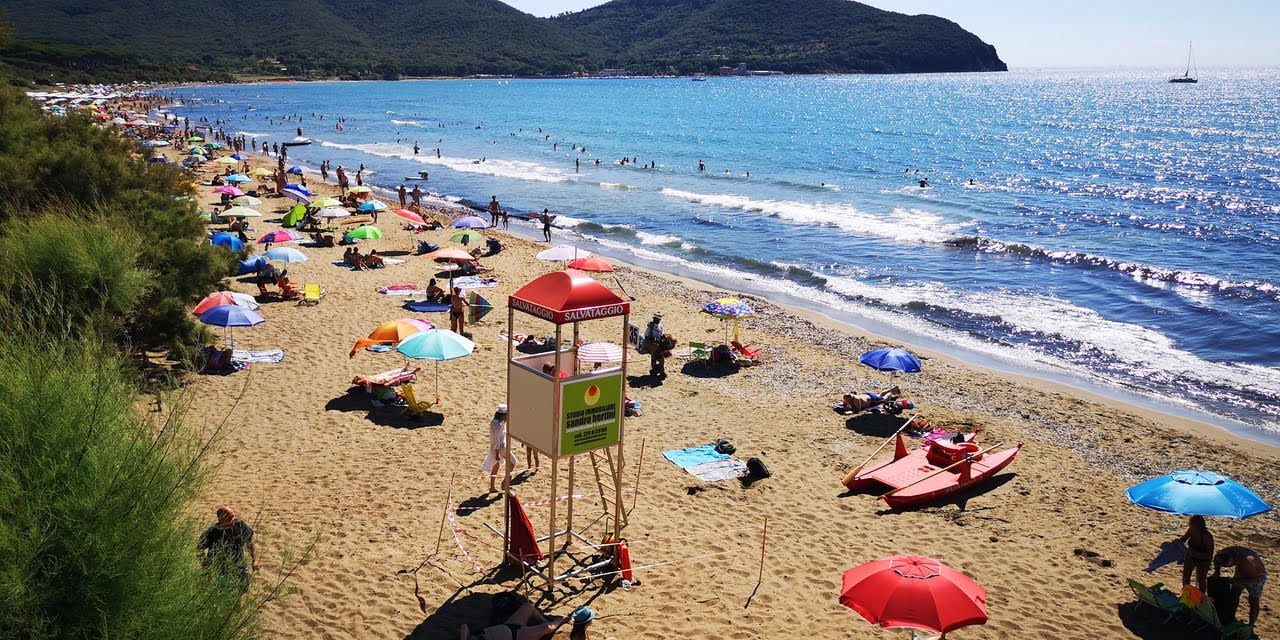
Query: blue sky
[1089,33]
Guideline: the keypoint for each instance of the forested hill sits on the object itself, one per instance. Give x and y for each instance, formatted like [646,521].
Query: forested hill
[797,36]
[171,39]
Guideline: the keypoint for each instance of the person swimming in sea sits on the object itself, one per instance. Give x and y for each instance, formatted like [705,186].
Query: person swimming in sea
[924,183]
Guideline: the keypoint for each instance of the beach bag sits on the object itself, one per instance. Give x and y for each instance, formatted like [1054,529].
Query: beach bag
[725,447]
[756,469]
[721,353]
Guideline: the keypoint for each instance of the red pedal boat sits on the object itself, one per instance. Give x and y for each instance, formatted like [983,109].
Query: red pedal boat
[938,470]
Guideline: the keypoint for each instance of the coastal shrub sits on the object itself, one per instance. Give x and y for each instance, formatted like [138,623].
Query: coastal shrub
[94,499]
[84,171]
[88,269]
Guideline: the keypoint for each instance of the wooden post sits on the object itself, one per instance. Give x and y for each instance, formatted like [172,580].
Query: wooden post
[763,537]
[639,465]
[445,516]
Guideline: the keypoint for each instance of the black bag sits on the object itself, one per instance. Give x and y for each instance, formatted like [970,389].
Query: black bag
[756,469]
[725,447]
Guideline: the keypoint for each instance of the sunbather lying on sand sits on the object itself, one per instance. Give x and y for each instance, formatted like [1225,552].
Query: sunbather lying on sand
[857,402]
[525,624]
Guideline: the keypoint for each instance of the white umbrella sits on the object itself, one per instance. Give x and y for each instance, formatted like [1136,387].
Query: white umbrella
[333,212]
[600,352]
[563,253]
[246,201]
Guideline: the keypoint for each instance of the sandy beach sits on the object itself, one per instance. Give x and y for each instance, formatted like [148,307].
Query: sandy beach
[1052,539]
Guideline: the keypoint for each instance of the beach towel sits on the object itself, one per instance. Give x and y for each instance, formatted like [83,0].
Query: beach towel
[389,262]
[1171,552]
[379,348]
[402,290]
[426,306]
[524,544]
[269,355]
[719,470]
[474,282]
[693,456]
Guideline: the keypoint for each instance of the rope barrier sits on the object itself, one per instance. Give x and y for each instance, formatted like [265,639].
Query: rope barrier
[453,528]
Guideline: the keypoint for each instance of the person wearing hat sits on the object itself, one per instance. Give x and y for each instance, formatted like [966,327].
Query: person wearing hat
[653,343]
[223,544]
[498,449]
[582,618]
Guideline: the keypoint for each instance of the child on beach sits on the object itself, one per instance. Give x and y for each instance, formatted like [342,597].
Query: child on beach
[498,446]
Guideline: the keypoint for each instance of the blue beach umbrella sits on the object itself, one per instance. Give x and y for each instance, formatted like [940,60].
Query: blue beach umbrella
[372,205]
[297,196]
[470,222]
[1202,493]
[227,240]
[294,186]
[286,254]
[894,359]
[229,316]
[250,265]
[239,177]
[239,156]
[295,170]
[438,345]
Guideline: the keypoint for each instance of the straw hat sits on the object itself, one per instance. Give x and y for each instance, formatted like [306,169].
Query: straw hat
[502,408]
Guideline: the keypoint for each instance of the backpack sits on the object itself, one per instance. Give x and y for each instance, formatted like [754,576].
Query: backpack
[756,469]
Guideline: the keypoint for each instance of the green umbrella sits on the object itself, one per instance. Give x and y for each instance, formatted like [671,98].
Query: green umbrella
[366,232]
[195,139]
[213,145]
[466,236]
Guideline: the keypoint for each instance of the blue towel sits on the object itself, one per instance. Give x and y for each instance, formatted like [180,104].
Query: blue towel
[423,306]
[685,458]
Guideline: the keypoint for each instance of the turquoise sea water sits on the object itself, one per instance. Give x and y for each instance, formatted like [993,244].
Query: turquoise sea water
[1119,231]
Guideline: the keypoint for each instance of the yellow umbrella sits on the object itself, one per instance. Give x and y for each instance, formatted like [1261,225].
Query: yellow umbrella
[360,189]
[261,172]
[225,160]
[325,202]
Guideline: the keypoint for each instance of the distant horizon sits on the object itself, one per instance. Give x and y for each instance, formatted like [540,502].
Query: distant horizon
[1091,34]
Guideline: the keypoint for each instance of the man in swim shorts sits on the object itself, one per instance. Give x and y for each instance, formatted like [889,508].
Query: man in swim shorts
[1250,575]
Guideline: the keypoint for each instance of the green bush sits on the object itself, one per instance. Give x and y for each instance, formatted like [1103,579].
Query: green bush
[94,499]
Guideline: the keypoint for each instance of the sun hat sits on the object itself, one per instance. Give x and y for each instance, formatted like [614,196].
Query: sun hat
[583,615]
[502,408]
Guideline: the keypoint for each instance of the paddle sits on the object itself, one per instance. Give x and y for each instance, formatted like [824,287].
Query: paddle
[852,474]
[620,288]
[967,458]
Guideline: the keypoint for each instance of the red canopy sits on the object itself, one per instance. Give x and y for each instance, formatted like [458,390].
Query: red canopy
[568,296]
[914,592]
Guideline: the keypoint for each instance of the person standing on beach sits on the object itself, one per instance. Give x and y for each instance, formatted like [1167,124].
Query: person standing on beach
[653,344]
[546,225]
[360,178]
[506,220]
[415,147]
[403,193]
[495,210]
[342,179]
[457,311]
[1250,575]
[1199,553]
[324,171]
[275,148]
[498,449]
[223,544]
[417,196]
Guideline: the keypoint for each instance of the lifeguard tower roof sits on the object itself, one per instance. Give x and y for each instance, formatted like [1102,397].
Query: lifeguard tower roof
[567,296]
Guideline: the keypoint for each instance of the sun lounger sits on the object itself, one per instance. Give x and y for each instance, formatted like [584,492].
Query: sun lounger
[746,351]
[312,294]
[1159,597]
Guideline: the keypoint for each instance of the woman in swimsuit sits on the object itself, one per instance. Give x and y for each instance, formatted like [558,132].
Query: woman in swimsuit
[525,624]
[457,307]
[1199,552]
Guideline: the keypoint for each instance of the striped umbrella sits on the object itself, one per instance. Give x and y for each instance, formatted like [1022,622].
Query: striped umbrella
[600,352]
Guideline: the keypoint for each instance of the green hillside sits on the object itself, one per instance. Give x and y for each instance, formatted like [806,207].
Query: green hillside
[198,39]
[797,36]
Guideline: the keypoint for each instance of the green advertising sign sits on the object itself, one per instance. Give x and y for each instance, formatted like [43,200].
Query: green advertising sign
[591,414]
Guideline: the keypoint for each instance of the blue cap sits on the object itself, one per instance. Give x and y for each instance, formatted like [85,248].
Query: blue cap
[583,615]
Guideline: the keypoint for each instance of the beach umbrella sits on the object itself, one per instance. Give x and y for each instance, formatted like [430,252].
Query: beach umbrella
[728,309]
[224,160]
[197,151]
[438,345]
[294,186]
[239,156]
[239,177]
[409,215]
[230,190]
[295,170]
[246,201]
[286,254]
[158,159]
[297,196]
[449,253]
[1201,493]
[562,253]
[213,145]
[891,359]
[392,333]
[477,307]
[250,265]
[360,189]
[332,212]
[914,592]
[321,203]
[219,298]
[591,263]
[195,139]
[280,235]
[470,222]
[466,236]
[372,205]
[261,172]
[599,352]
[227,240]
[230,316]
[366,232]
[241,212]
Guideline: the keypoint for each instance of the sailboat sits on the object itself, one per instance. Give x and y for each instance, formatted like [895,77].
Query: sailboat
[1186,77]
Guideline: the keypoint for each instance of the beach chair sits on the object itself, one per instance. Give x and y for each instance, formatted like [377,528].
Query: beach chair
[752,355]
[1207,615]
[700,350]
[312,294]
[1159,597]
[412,404]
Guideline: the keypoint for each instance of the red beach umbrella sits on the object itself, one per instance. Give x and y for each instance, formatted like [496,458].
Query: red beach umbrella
[914,592]
[409,215]
[591,263]
[219,298]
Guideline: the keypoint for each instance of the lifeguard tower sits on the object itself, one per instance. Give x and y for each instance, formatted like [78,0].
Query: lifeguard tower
[566,412]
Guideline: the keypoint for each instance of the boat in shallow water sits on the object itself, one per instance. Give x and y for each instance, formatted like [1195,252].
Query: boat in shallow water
[939,469]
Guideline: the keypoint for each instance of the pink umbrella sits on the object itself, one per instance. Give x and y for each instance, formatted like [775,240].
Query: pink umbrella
[280,235]
[409,215]
[219,298]
[229,190]
[599,352]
